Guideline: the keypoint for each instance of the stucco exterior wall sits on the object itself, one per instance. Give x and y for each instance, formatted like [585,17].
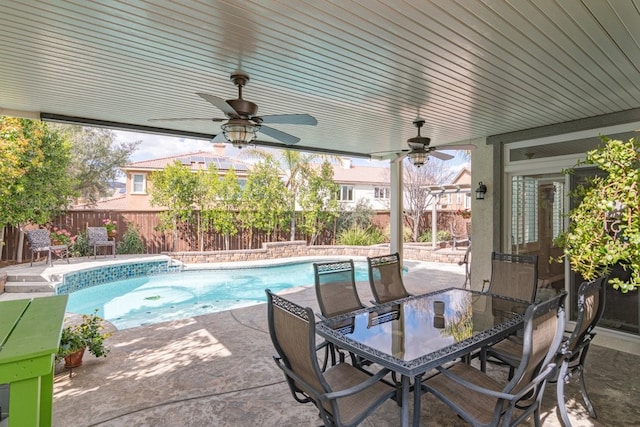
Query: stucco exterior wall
[484,216]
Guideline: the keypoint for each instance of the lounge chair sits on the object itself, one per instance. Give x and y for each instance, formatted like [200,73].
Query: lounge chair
[40,241]
[343,394]
[98,238]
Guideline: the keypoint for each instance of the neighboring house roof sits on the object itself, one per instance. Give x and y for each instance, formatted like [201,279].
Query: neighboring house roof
[351,174]
[197,161]
[115,203]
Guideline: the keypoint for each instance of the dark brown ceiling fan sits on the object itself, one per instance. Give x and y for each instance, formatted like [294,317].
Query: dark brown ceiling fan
[420,148]
[242,121]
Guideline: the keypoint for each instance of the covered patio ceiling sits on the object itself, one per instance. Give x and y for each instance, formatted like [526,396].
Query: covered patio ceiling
[364,69]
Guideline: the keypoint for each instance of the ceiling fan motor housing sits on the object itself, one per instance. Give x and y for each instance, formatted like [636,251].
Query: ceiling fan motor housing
[245,109]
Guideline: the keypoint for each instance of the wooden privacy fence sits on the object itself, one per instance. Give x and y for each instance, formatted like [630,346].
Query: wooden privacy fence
[156,242]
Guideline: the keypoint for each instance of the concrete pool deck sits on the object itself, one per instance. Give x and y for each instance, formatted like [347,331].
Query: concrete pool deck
[217,370]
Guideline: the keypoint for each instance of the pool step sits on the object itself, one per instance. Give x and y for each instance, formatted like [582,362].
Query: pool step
[24,287]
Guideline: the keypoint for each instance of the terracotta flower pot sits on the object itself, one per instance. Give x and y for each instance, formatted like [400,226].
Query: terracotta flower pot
[74,360]
[112,234]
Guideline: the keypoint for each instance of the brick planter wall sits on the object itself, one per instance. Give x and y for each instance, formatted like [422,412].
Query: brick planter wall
[272,250]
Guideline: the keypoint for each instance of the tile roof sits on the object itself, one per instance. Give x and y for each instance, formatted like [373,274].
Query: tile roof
[197,160]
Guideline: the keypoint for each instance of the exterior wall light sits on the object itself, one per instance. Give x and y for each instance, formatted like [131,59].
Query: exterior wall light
[481,191]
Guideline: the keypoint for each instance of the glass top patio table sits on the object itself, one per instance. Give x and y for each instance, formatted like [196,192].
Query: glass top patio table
[413,335]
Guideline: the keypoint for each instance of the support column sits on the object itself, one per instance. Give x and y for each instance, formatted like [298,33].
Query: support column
[396,214]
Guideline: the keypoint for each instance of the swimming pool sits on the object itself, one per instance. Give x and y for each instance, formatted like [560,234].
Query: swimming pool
[152,299]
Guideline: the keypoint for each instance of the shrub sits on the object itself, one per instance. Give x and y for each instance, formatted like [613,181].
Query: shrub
[81,246]
[131,241]
[360,237]
[407,233]
[441,236]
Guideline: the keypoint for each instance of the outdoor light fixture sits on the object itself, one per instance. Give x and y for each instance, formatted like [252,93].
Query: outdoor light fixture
[239,132]
[481,191]
[418,156]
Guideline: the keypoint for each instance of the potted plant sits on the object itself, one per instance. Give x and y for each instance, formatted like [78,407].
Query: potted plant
[604,228]
[75,339]
[111,226]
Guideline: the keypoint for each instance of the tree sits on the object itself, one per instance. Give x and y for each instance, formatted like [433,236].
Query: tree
[317,199]
[604,228]
[227,205]
[204,199]
[266,202]
[293,165]
[96,158]
[417,196]
[174,188]
[34,181]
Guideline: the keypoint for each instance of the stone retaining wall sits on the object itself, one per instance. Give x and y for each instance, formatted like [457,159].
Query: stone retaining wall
[273,250]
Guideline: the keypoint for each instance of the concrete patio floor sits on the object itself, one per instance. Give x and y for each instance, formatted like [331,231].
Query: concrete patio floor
[217,370]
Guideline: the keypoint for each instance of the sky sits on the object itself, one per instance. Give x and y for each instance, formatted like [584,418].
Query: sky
[157,146]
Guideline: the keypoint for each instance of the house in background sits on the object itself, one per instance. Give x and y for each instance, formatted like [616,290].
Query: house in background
[356,183]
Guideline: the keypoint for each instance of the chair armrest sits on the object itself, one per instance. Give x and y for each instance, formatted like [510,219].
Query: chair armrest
[357,388]
[474,387]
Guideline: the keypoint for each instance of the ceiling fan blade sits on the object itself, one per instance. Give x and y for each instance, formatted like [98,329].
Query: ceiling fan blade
[219,138]
[389,155]
[291,119]
[216,101]
[180,119]
[279,135]
[441,156]
[457,147]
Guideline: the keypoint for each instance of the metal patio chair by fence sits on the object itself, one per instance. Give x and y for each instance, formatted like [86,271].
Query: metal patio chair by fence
[98,237]
[483,401]
[40,241]
[343,394]
[385,278]
[573,352]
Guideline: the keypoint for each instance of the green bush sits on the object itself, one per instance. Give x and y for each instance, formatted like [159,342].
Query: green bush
[131,241]
[407,233]
[360,237]
[81,245]
[441,236]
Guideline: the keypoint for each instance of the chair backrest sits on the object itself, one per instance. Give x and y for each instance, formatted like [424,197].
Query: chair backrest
[514,276]
[38,238]
[336,287]
[385,278]
[97,234]
[292,331]
[591,298]
[543,334]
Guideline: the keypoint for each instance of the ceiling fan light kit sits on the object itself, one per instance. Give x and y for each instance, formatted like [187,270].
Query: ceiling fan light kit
[239,134]
[242,122]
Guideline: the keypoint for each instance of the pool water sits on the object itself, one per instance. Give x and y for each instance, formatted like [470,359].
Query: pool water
[152,299]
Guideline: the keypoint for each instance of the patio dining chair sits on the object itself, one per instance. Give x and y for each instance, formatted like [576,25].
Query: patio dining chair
[336,292]
[98,237]
[483,401]
[513,276]
[574,348]
[385,278]
[343,394]
[40,241]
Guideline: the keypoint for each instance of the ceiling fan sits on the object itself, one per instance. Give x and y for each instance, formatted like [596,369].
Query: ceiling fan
[242,122]
[420,150]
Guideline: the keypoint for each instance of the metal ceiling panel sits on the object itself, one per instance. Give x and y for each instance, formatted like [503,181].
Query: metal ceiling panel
[363,68]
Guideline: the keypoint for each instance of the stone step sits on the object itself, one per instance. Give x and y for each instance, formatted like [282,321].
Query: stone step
[24,287]
[26,278]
